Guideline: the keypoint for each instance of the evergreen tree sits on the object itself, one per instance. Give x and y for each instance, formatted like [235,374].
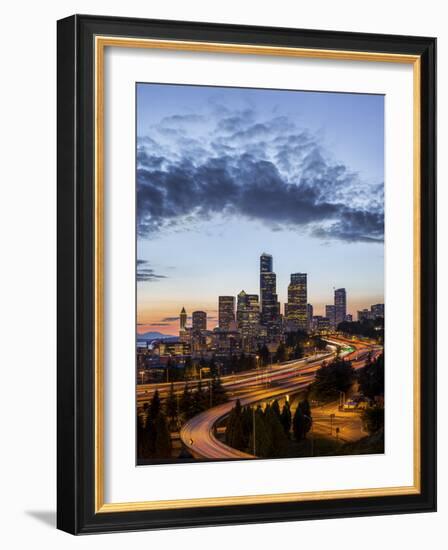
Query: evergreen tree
[302,421]
[171,405]
[277,436]
[188,368]
[276,408]
[264,355]
[155,406]
[142,440]
[162,443]
[186,403]
[331,379]
[234,434]
[281,353]
[285,418]
[199,403]
[263,444]
[218,392]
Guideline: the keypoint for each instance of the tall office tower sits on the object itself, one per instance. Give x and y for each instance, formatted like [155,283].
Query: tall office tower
[377,310]
[248,315]
[330,314]
[226,311]
[309,315]
[297,307]
[183,319]
[270,306]
[265,263]
[199,320]
[340,304]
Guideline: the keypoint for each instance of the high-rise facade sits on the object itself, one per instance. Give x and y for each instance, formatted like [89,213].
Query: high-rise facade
[270,306]
[309,315]
[296,309]
[226,312]
[330,314]
[377,310]
[248,316]
[340,304]
[199,320]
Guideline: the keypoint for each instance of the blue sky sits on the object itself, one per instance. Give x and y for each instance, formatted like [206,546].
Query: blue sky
[224,174]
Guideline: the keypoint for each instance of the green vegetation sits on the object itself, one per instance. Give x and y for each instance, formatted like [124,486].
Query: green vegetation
[332,378]
[368,328]
[302,421]
[371,378]
[373,419]
[271,438]
[153,436]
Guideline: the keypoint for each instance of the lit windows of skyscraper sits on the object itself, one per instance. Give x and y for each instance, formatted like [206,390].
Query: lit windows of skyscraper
[377,310]
[199,320]
[266,263]
[297,308]
[340,303]
[226,312]
[309,315]
[330,313]
[270,306]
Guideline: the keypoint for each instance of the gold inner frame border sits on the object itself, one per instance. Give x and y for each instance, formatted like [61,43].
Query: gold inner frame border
[100,43]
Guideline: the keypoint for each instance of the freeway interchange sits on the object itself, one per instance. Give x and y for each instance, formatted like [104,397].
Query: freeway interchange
[250,387]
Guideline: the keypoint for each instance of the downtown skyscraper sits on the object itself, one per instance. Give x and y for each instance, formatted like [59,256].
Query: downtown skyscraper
[296,311]
[226,312]
[270,306]
[340,306]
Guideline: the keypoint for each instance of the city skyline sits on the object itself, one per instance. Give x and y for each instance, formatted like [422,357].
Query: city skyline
[216,171]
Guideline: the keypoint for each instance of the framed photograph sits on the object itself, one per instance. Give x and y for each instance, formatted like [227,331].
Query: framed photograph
[246,274]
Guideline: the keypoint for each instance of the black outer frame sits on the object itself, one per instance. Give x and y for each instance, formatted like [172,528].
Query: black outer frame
[75,310]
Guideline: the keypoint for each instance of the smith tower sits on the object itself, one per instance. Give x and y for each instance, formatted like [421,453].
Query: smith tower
[270,307]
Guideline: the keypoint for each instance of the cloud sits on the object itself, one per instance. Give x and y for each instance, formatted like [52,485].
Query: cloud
[266,170]
[146,273]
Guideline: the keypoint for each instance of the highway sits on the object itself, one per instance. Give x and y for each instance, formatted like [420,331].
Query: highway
[197,433]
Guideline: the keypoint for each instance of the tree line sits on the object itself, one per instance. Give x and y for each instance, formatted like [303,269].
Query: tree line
[159,419]
[272,428]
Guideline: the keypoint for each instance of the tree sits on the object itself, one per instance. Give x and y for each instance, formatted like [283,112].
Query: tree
[302,421]
[186,403]
[199,402]
[155,406]
[142,439]
[171,405]
[373,419]
[234,431]
[162,443]
[218,391]
[189,371]
[264,355]
[262,435]
[281,353]
[278,441]
[331,379]
[371,377]
[285,417]
[276,408]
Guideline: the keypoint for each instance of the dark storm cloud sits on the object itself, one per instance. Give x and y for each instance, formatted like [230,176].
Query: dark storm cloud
[267,171]
[146,273]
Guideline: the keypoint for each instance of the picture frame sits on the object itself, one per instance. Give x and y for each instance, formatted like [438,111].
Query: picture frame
[82,42]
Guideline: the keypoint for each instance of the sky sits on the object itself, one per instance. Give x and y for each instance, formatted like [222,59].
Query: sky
[225,174]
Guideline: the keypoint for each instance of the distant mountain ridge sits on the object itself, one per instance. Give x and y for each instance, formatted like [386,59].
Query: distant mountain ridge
[154,336]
